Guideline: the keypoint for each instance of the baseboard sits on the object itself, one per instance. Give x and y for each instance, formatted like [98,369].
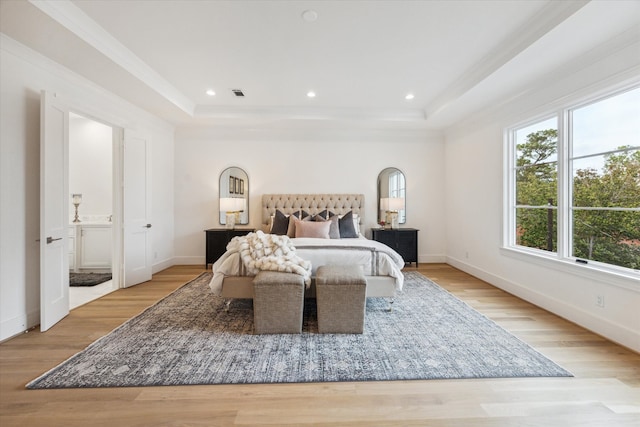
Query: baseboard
[162,265]
[432,259]
[189,260]
[615,332]
[11,327]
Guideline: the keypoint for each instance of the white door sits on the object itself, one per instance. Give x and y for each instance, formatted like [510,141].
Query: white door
[137,204]
[54,211]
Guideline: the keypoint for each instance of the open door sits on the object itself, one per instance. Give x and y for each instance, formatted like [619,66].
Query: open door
[54,211]
[137,204]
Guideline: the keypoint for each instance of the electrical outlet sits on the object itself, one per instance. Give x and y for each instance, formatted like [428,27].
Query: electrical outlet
[155,255]
[600,301]
[466,254]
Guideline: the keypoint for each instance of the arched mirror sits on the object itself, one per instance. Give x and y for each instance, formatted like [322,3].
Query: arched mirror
[392,195]
[234,196]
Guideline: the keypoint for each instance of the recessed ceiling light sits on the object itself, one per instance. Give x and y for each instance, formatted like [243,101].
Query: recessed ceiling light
[310,15]
[211,92]
[409,96]
[311,94]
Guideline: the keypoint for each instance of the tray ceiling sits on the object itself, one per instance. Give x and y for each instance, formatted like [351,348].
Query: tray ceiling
[360,58]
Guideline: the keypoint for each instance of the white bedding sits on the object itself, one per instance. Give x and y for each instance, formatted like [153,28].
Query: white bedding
[376,258]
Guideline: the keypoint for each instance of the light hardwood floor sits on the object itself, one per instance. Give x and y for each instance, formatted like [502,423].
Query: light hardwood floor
[605,391]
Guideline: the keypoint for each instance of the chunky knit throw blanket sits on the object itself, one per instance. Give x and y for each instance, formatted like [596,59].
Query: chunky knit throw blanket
[260,251]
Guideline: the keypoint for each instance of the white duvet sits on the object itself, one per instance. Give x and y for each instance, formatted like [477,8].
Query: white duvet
[375,258]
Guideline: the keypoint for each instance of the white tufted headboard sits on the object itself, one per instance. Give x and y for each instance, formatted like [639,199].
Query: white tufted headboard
[339,204]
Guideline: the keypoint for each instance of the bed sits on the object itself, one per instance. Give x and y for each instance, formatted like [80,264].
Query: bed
[382,265]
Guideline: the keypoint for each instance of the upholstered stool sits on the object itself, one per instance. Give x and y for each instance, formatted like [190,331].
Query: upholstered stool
[278,300]
[341,299]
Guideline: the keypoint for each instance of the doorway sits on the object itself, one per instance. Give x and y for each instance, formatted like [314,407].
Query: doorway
[91,210]
[130,206]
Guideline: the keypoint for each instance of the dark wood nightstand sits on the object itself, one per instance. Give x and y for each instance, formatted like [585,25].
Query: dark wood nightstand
[217,240]
[402,240]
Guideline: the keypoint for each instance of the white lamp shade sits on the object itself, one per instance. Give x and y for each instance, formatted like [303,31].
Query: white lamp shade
[241,204]
[396,203]
[76,198]
[384,204]
[232,204]
[227,204]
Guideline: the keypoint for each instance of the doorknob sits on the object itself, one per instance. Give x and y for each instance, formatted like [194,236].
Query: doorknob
[51,239]
[147,226]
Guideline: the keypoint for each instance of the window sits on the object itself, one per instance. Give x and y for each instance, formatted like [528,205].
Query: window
[397,189]
[576,194]
[536,178]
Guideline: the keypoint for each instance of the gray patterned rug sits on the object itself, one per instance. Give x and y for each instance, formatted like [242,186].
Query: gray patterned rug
[187,338]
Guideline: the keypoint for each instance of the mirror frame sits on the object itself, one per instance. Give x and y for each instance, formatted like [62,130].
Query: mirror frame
[383,191]
[234,183]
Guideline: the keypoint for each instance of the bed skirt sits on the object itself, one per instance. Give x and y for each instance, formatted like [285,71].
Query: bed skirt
[242,287]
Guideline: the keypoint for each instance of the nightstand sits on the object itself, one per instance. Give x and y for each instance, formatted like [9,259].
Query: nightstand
[217,240]
[402,240]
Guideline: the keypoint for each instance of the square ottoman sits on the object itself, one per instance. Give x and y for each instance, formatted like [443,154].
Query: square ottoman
[278,302]
[341,299]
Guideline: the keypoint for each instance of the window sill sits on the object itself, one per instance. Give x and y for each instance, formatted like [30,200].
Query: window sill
[630,281]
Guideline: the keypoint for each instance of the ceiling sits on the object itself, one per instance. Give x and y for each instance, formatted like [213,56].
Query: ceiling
[361,58]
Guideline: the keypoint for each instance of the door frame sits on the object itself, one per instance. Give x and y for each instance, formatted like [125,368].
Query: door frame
[117,132]
[71,105]
[117,256]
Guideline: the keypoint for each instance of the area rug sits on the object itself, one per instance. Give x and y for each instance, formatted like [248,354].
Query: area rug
[187,338]
[88,279]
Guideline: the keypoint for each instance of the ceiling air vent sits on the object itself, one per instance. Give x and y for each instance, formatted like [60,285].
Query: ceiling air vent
[237,92]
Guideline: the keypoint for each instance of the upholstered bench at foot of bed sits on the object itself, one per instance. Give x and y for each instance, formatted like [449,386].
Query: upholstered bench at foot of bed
[341,299]
[278,301]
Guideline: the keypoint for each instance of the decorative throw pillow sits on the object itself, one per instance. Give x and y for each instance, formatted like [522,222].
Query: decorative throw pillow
[347,227]
[280,224]
[303,215]
[334,229]
[325,214]
[317,229]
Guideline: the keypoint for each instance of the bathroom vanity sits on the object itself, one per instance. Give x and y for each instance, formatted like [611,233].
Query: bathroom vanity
[90,247]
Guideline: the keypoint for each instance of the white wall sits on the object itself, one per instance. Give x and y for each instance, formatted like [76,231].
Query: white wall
[474,188]
[321,158]
[23,74]
[90,168]
[162,197]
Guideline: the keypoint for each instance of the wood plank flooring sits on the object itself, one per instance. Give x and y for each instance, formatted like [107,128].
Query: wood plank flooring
[605,391]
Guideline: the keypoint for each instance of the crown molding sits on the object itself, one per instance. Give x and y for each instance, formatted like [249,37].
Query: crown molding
[335,132]
[548,18]
[75,20]
[112,109]
[308,113]
[612,64]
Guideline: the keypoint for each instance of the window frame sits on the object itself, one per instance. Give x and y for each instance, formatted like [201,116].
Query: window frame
[561,259]
[397,188]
